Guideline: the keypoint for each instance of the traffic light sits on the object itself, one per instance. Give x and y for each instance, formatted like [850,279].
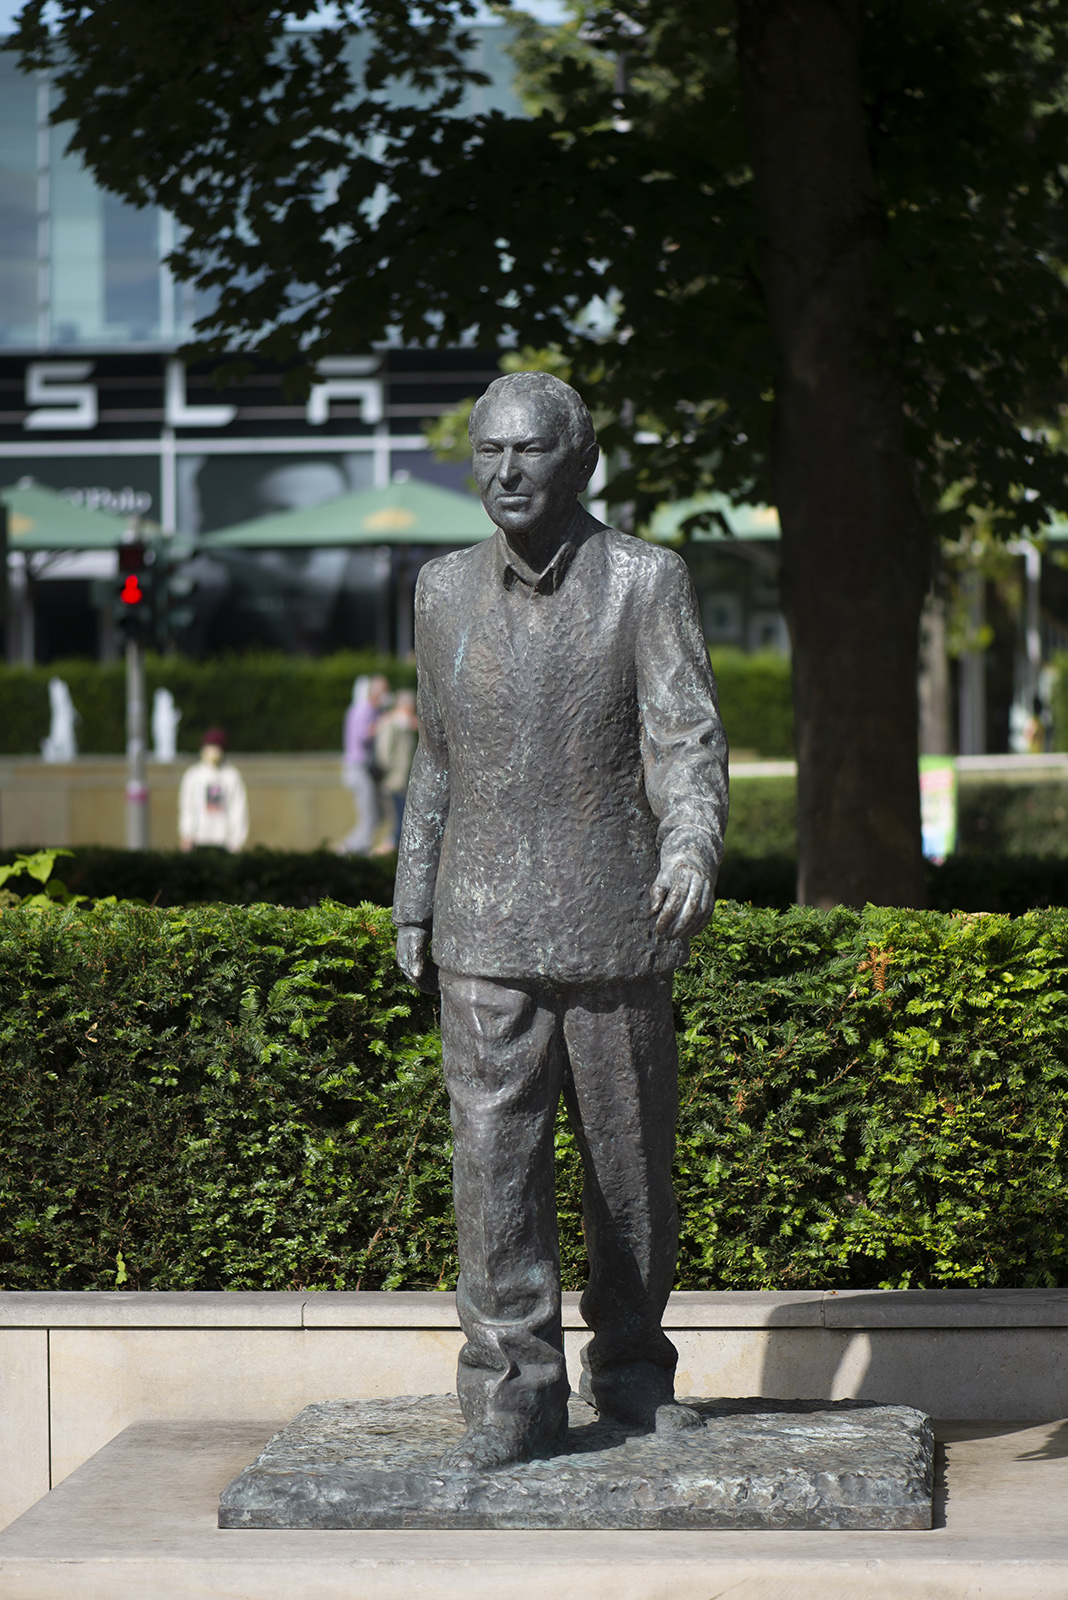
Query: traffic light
[134,607]
[175,612]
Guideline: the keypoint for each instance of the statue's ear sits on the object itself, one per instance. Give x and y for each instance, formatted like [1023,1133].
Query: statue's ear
[585,466]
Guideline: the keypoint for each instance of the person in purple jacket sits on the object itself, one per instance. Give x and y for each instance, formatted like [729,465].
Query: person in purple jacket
[357,769]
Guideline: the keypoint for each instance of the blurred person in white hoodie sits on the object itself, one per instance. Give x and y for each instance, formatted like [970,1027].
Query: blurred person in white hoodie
[212,803]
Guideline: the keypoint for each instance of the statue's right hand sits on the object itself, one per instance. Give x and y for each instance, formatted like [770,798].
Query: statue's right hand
[413,960]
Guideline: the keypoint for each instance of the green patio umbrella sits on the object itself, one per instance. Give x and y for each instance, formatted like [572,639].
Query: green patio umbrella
[40,519]
[745,522]
[405,513]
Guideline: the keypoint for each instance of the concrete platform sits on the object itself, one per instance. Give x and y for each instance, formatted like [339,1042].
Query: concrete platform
[137,1522]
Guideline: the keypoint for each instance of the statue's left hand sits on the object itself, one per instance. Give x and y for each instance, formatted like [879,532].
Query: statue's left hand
[413,958]
[682,901]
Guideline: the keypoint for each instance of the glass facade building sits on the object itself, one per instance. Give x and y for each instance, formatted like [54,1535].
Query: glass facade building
[79,268]
[95,403]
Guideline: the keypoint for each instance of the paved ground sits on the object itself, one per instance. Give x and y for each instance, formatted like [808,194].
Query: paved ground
[137,1522]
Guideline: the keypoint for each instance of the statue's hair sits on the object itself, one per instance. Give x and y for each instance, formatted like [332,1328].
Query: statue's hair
[565,399]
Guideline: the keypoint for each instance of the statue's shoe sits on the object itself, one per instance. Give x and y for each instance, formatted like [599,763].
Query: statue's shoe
[638,1396]
[677,1418]
[484,1447]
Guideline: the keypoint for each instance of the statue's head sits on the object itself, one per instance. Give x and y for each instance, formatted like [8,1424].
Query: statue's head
[533,451]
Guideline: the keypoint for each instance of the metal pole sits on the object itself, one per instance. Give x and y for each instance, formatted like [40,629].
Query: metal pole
[5,610]
[1032,618]
[27,648]
[384,590]
[1027,704]
[972,738]
[136,787]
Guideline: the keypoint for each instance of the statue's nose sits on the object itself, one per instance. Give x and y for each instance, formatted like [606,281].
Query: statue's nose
[509,470]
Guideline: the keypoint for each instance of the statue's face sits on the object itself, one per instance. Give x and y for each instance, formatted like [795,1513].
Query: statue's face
[526,468]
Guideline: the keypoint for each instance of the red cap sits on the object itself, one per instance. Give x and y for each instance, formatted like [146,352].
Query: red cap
[214,736]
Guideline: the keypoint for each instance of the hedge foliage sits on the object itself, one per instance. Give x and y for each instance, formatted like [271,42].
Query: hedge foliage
[875,1099]
[266,702]
[763,817]
[756,700]
[1014,819]
[1011,884]
[214,1098]
[271,702]
[1007,884]
[173,878]
[995,819]
[227,1097]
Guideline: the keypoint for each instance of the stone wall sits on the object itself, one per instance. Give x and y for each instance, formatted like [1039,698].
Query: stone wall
[76,1369]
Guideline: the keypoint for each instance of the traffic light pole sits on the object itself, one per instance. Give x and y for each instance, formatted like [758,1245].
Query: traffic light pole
[136,787]
[5,602]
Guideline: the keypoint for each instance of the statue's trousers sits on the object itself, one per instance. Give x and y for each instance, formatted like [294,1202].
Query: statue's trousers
[510,1050]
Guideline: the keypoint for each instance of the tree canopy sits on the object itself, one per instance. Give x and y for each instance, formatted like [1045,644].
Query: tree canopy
[327,214]
[812,251]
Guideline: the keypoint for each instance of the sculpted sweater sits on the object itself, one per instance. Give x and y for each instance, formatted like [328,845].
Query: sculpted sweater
[571,744]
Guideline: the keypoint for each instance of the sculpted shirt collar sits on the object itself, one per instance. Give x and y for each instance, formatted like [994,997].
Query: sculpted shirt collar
[513,570]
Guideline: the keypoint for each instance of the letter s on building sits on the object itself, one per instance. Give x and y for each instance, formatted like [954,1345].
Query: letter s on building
[62,401]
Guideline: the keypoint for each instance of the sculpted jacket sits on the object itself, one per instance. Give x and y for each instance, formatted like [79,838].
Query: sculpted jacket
[571,745]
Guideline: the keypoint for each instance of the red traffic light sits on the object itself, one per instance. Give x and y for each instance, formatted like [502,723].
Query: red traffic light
[132,592]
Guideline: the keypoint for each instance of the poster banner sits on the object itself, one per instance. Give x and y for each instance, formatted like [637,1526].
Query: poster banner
[938,806]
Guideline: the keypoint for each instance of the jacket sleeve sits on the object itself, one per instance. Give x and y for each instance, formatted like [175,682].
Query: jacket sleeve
[426,810]
[384,740]
[236,811]
[188,809]
[684,747]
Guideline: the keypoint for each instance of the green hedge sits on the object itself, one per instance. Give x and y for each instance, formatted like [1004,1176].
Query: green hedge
[995,819]
[756,700]
[171,878]
[875,1100]
[763,817]
[249,1098]
[1014,818]
[1010,884]
[213,1098]
[282,703]
[265,702]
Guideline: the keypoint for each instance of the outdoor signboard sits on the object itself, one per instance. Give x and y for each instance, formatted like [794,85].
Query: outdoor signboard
[139,432]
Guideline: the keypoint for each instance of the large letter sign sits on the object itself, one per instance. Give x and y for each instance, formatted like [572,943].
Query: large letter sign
[62,402]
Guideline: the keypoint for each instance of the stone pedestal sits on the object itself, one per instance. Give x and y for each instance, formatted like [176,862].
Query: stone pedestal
[754,1464]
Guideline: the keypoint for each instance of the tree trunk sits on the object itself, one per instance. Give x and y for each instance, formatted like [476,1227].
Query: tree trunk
[856,552]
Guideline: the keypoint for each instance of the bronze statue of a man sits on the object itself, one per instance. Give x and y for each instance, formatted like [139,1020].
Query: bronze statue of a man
[562,836]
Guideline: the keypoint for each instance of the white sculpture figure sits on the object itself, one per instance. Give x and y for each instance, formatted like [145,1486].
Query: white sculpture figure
[165,720]
[61,743]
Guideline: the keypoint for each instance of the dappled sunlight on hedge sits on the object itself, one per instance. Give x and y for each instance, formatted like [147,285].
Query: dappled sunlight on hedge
[249,1097]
